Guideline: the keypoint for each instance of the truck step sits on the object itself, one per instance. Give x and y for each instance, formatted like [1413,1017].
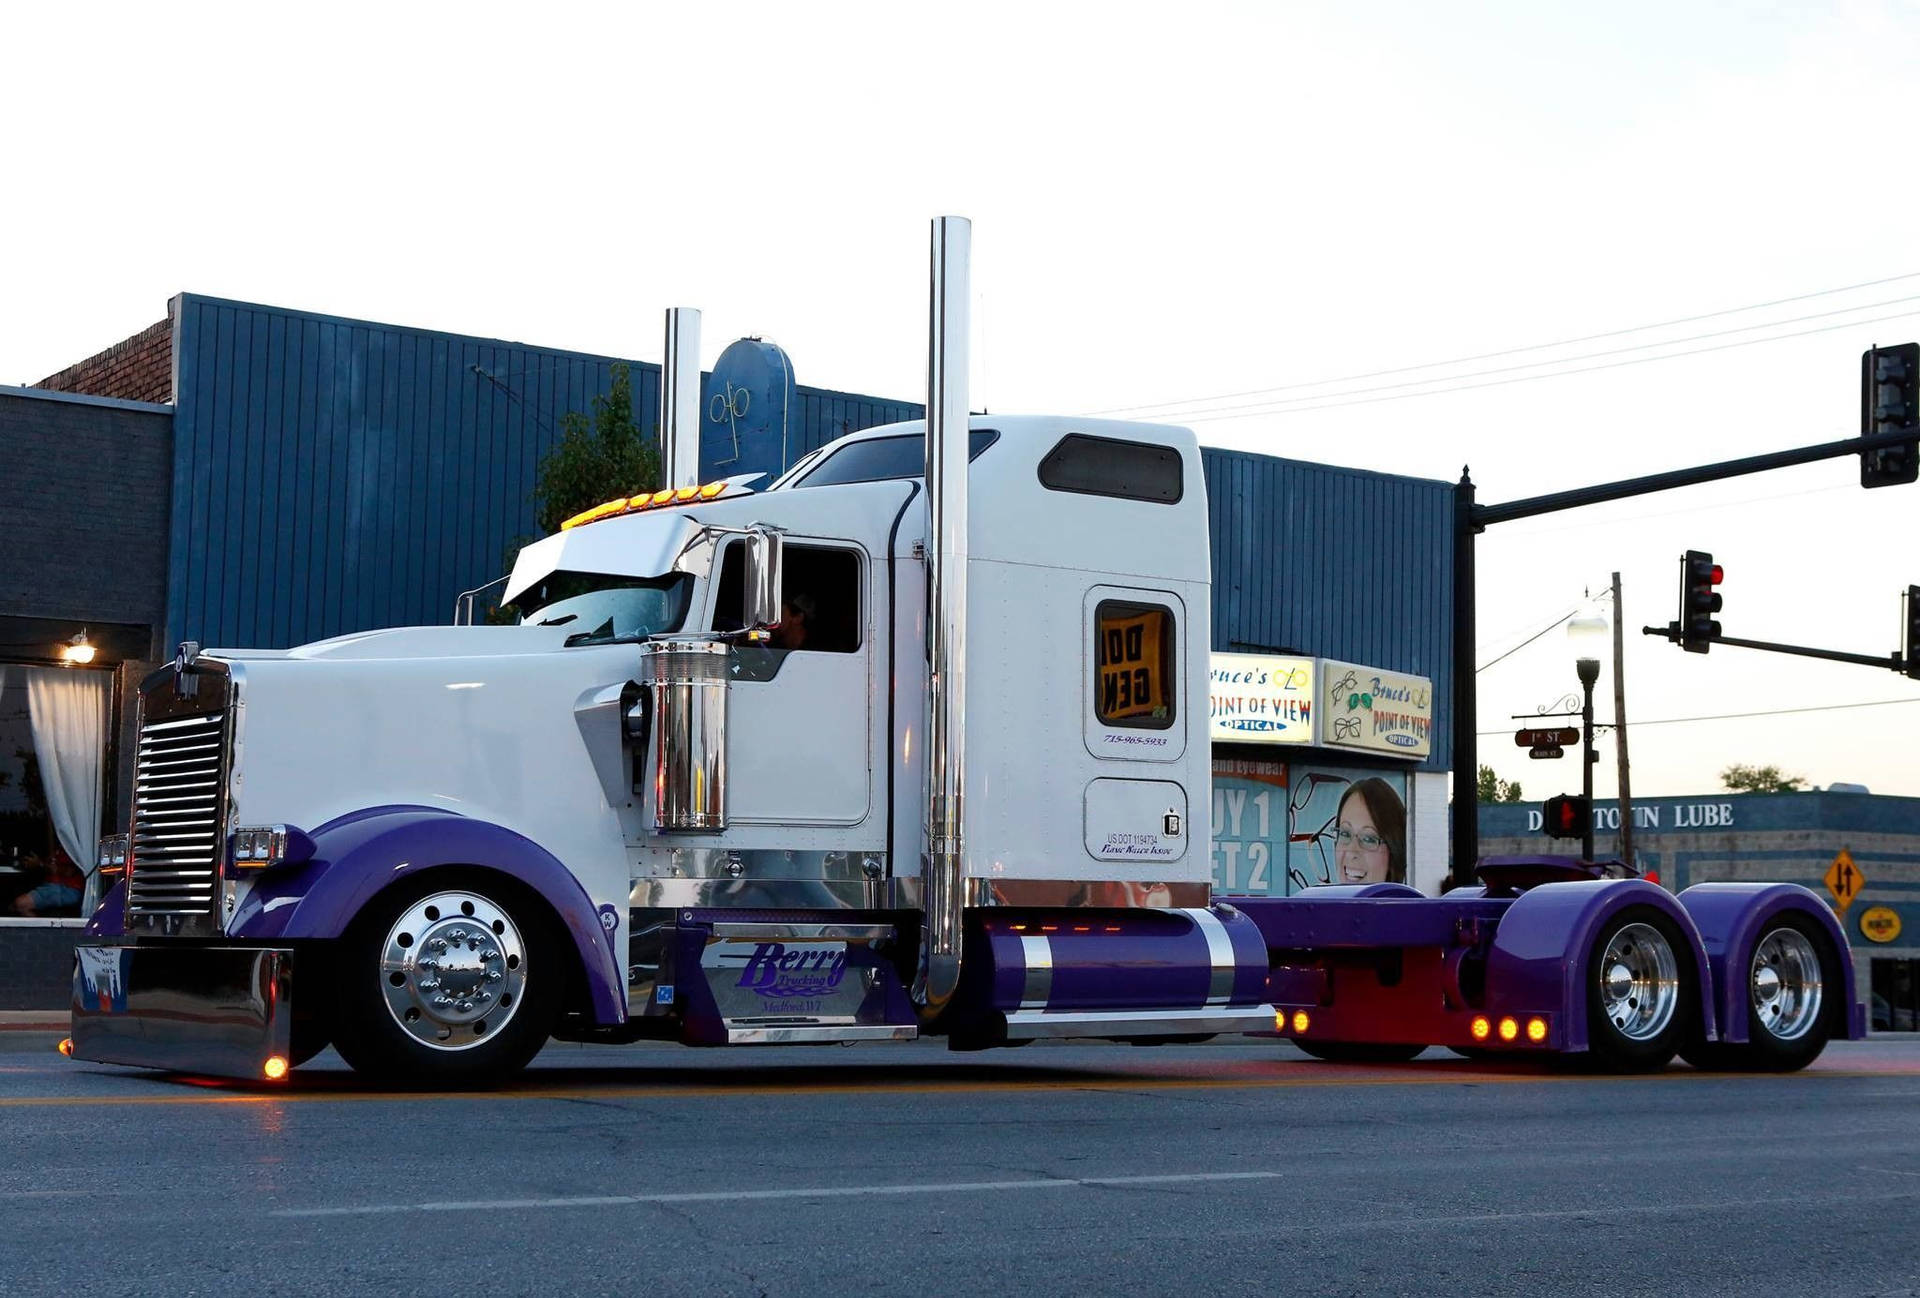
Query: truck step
[1025,1025]
[747,1033]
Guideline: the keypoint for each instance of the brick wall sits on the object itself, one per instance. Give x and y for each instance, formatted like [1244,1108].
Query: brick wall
[139,369]
[84,521]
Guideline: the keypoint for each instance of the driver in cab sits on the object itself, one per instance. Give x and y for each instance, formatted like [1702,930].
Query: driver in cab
[796,617]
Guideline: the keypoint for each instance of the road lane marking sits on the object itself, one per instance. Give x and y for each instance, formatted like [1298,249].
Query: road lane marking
[740,1196]
[788,1087]
[1887,1171]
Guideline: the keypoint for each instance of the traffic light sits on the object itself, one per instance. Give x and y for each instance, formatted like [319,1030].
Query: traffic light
[1889,402]
[1566,815]
[1910,641]
[1699,601]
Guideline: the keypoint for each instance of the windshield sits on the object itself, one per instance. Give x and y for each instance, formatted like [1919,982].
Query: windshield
[596,607]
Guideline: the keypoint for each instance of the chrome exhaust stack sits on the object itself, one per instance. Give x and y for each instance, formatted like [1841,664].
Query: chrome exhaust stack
[680,400]
[943,867]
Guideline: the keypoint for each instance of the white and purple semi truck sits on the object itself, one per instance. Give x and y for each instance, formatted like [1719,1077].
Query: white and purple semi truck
[912,743]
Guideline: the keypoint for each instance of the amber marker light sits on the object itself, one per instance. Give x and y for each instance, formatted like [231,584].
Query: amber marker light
[664,496]
[275,1068]
[1536,1030]
[1481,1028]
[1509,1029]
[685,494]
[711,490]
[1300,1021]
[66,1046]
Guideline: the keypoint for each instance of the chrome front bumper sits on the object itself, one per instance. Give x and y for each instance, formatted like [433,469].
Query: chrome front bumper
[194,1009]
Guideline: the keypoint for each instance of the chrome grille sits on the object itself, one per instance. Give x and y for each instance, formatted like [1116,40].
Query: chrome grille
[178,797]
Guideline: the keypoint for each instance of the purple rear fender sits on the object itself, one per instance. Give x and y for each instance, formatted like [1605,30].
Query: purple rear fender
[358,855]
[1732,916]
[1540,954]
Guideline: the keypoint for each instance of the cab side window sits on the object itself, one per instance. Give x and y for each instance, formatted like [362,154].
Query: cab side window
[821,591]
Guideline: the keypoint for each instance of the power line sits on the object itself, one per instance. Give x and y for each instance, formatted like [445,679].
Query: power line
[1739,716]
[1529,640]
[1564,360]
[1529,378]
[1511,351]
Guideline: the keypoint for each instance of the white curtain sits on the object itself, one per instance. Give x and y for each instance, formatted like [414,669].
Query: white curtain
[69,713]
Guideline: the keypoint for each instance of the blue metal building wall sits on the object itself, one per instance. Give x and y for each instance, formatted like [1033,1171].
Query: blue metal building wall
[826,415]
[332,475]
[1335,563]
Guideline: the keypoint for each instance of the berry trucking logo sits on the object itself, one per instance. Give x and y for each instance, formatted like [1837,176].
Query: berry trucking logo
[806,974]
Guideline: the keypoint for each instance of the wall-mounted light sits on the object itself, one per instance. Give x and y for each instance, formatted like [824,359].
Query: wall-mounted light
[77,652]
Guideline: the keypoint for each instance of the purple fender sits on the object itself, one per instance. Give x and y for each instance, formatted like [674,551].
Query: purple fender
[109,918]
[358,855]
[1539,956]
[1731,917]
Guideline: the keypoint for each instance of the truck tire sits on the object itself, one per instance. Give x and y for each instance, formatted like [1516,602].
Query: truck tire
[1359,1052]
[1641,992]
[1789,1014]
[450,979]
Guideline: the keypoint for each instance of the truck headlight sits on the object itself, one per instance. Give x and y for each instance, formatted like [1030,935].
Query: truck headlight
[113,855]
[259,847]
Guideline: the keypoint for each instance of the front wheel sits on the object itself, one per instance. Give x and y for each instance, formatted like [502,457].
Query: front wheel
[1640,992]
[442,982]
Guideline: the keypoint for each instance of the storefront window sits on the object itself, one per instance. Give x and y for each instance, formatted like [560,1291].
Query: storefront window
[1283,827]
[53,737]
[1895,1006]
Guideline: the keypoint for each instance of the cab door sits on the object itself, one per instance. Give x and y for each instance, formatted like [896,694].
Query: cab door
[800,708]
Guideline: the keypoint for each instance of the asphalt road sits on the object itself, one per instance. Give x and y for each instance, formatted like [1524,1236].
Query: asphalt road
[1229,1168]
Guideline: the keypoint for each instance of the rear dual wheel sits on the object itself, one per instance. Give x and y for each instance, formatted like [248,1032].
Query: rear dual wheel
[1788,1016]
[1642,992]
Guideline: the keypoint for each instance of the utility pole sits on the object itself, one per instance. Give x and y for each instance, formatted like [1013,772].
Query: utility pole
[1620,728]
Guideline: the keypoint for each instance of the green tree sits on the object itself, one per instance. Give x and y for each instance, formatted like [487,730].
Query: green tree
[1741,778]
[598,458]
[1495,789]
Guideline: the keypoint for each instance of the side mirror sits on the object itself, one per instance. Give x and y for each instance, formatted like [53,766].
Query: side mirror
[766,555]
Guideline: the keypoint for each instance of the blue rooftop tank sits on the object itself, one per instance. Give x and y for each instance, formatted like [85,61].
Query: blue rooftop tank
[749,423]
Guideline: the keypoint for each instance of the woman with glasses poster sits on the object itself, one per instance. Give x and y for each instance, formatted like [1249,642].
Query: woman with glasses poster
[1370,837]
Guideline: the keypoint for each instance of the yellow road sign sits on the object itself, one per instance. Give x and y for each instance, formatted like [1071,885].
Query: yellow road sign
[1844,880]
[1880,924]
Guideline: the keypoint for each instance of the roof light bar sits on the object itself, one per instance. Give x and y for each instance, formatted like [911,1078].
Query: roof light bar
[655,500]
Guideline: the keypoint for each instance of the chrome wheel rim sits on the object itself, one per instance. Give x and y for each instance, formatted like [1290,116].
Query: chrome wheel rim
[1786,984]
[1639,982]
[453,970]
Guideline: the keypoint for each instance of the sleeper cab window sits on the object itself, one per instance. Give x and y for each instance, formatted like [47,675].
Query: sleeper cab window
[1108,466]
[820,588]
[1133,689]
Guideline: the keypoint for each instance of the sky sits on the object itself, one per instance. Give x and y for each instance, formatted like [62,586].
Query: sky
[1209,214]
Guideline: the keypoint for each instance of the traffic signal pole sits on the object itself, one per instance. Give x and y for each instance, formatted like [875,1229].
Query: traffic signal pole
[1470,519]
[1894,661]
[1485,516]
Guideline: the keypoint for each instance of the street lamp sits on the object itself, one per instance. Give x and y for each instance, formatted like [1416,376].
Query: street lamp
[1587,633]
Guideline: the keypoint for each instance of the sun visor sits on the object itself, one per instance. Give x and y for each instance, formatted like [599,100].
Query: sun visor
[639,545]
